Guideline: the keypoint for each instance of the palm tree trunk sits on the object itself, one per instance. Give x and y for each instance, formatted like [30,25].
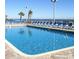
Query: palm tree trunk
[28,19]
[20,18]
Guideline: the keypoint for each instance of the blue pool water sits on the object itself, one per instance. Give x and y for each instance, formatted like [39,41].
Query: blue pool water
[36,40]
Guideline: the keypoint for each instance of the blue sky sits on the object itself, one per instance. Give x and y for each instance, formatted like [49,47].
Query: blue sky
[41,8]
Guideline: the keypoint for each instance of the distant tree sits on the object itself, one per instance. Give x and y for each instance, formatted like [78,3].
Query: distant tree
[21,14]
[29,15]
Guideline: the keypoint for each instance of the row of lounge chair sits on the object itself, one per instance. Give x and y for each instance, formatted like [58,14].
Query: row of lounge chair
[55,25]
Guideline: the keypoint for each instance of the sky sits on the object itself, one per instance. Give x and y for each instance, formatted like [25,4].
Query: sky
[42,9]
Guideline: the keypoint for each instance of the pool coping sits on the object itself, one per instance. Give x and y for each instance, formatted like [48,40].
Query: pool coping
[61,29]
[27,55]
[37,26]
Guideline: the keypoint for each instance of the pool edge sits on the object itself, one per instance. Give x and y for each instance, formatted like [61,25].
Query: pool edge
[27,55]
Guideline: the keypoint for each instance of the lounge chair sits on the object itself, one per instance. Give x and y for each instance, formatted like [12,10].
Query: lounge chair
[72,27]
[56,25]
[49,25]
[66,27]
[45,24]
[61,26]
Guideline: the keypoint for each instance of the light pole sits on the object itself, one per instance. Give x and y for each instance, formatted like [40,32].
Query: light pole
[26,10]
[53,1]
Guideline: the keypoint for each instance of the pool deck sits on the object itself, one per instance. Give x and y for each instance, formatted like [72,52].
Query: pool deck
[10,53]
[15,25]
[51,28]
[38,26]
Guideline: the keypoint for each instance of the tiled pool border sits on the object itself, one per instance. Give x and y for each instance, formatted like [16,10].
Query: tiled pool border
[25,55]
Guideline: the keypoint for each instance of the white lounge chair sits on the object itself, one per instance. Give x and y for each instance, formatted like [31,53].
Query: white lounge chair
[61,26]
[66,27]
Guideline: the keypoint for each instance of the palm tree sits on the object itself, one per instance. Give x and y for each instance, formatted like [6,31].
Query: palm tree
[21,14]
[29,15]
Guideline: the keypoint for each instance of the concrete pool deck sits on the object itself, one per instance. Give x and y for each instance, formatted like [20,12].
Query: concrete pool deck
[27,24]
[52,28]
[16,24]
[10,53]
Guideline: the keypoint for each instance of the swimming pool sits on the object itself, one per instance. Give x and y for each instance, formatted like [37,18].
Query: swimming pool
[34,41]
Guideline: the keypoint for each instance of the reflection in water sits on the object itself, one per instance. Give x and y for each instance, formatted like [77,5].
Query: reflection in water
[21,31]
[5,30]
[66,36]
[49,30]
[29,32]
[54,42]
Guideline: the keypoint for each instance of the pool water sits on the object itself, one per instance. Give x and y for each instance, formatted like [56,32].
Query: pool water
[37,40]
